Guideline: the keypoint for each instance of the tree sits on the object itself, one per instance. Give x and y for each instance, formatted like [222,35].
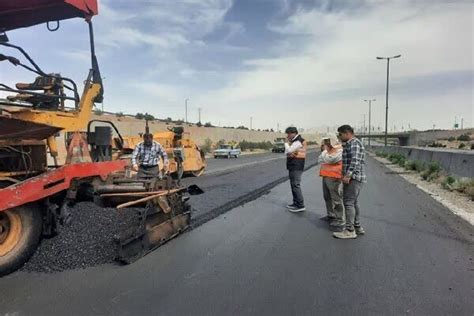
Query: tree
[208,124]
[198,124]
[149,117]
[139,116]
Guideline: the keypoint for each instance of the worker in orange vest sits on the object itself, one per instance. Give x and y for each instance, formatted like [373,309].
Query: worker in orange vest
[331,172]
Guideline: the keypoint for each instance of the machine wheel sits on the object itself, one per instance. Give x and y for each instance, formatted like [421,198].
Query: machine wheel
[20,233]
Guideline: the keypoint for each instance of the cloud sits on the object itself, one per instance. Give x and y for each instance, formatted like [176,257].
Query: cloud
[336,67]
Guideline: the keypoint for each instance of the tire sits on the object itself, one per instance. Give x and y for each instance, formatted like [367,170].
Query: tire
[21,233]
[229,156]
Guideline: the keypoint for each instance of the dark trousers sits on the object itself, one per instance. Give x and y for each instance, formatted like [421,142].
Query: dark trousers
[145,172]
[295,183]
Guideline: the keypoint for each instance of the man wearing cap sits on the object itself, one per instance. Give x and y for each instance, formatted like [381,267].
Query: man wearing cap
[295,150]
[331,171]
[146,158]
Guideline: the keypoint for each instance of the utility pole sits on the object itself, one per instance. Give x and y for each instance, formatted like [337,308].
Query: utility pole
[386,94]
[251,123]
[370,114]
[278,127]
[462,122]
[199,110]
[186,110]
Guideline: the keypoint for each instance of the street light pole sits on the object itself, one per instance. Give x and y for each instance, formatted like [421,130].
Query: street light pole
[386,94]
[370,115]
[186,110]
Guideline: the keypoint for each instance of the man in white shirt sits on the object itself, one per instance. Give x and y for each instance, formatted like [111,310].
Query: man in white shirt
[295,150]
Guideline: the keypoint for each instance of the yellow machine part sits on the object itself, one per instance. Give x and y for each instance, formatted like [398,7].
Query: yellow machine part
[65,121]
[193,161]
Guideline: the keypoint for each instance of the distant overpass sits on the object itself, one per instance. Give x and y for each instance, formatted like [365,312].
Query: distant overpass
[403,137]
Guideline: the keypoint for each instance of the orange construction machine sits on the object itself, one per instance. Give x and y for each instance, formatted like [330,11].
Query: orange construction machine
[37,196]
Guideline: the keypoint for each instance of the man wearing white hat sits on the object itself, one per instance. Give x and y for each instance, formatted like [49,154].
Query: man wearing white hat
[331,172]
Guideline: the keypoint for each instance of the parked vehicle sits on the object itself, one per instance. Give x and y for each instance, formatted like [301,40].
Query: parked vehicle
[227,151]
[278,145]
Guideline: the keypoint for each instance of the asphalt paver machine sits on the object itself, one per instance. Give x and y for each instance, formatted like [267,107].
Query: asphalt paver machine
[37,194]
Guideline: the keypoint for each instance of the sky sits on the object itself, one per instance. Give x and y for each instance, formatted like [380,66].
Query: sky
[309,63]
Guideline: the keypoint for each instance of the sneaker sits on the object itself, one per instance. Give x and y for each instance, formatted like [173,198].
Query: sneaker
[359,230]
[292,205]
[345,234]
[296,209]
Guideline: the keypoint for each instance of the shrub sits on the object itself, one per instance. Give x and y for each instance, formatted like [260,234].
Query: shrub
[98,112]
[436,144]
[139,116]
[470,192]
[119,114]
[220,143]
[250,146]
[207,147]
[464,137]
[396,158]
[448,182]
[452,138]
[431,172]
[462,145]
[208,124]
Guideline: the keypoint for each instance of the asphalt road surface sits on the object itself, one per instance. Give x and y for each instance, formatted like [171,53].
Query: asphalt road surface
[259,259]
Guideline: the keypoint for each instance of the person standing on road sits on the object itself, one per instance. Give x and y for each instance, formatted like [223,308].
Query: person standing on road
[146,158]
[295,150]
[353,161]
[331,172]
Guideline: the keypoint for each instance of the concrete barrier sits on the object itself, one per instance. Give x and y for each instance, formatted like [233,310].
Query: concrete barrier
[456,162]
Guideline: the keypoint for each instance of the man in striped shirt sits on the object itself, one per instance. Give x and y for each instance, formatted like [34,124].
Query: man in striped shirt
[146,158]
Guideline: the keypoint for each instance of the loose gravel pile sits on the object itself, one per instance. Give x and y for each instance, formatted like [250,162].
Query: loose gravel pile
[87,241]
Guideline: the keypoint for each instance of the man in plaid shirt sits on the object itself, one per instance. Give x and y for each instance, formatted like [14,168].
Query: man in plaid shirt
[146,158]
[353,162]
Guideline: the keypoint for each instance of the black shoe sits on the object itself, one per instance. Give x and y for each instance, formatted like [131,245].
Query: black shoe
[327,219]
[292,205]
[336,229]
[359,230]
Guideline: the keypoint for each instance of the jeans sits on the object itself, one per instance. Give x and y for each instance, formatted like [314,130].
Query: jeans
[333,196]
[295,182]
[351,203]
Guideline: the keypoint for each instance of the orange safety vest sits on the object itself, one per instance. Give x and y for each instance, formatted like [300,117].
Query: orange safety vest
[301,153]
[331,170]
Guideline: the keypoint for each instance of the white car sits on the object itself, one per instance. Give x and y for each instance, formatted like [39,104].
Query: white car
[227,151]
